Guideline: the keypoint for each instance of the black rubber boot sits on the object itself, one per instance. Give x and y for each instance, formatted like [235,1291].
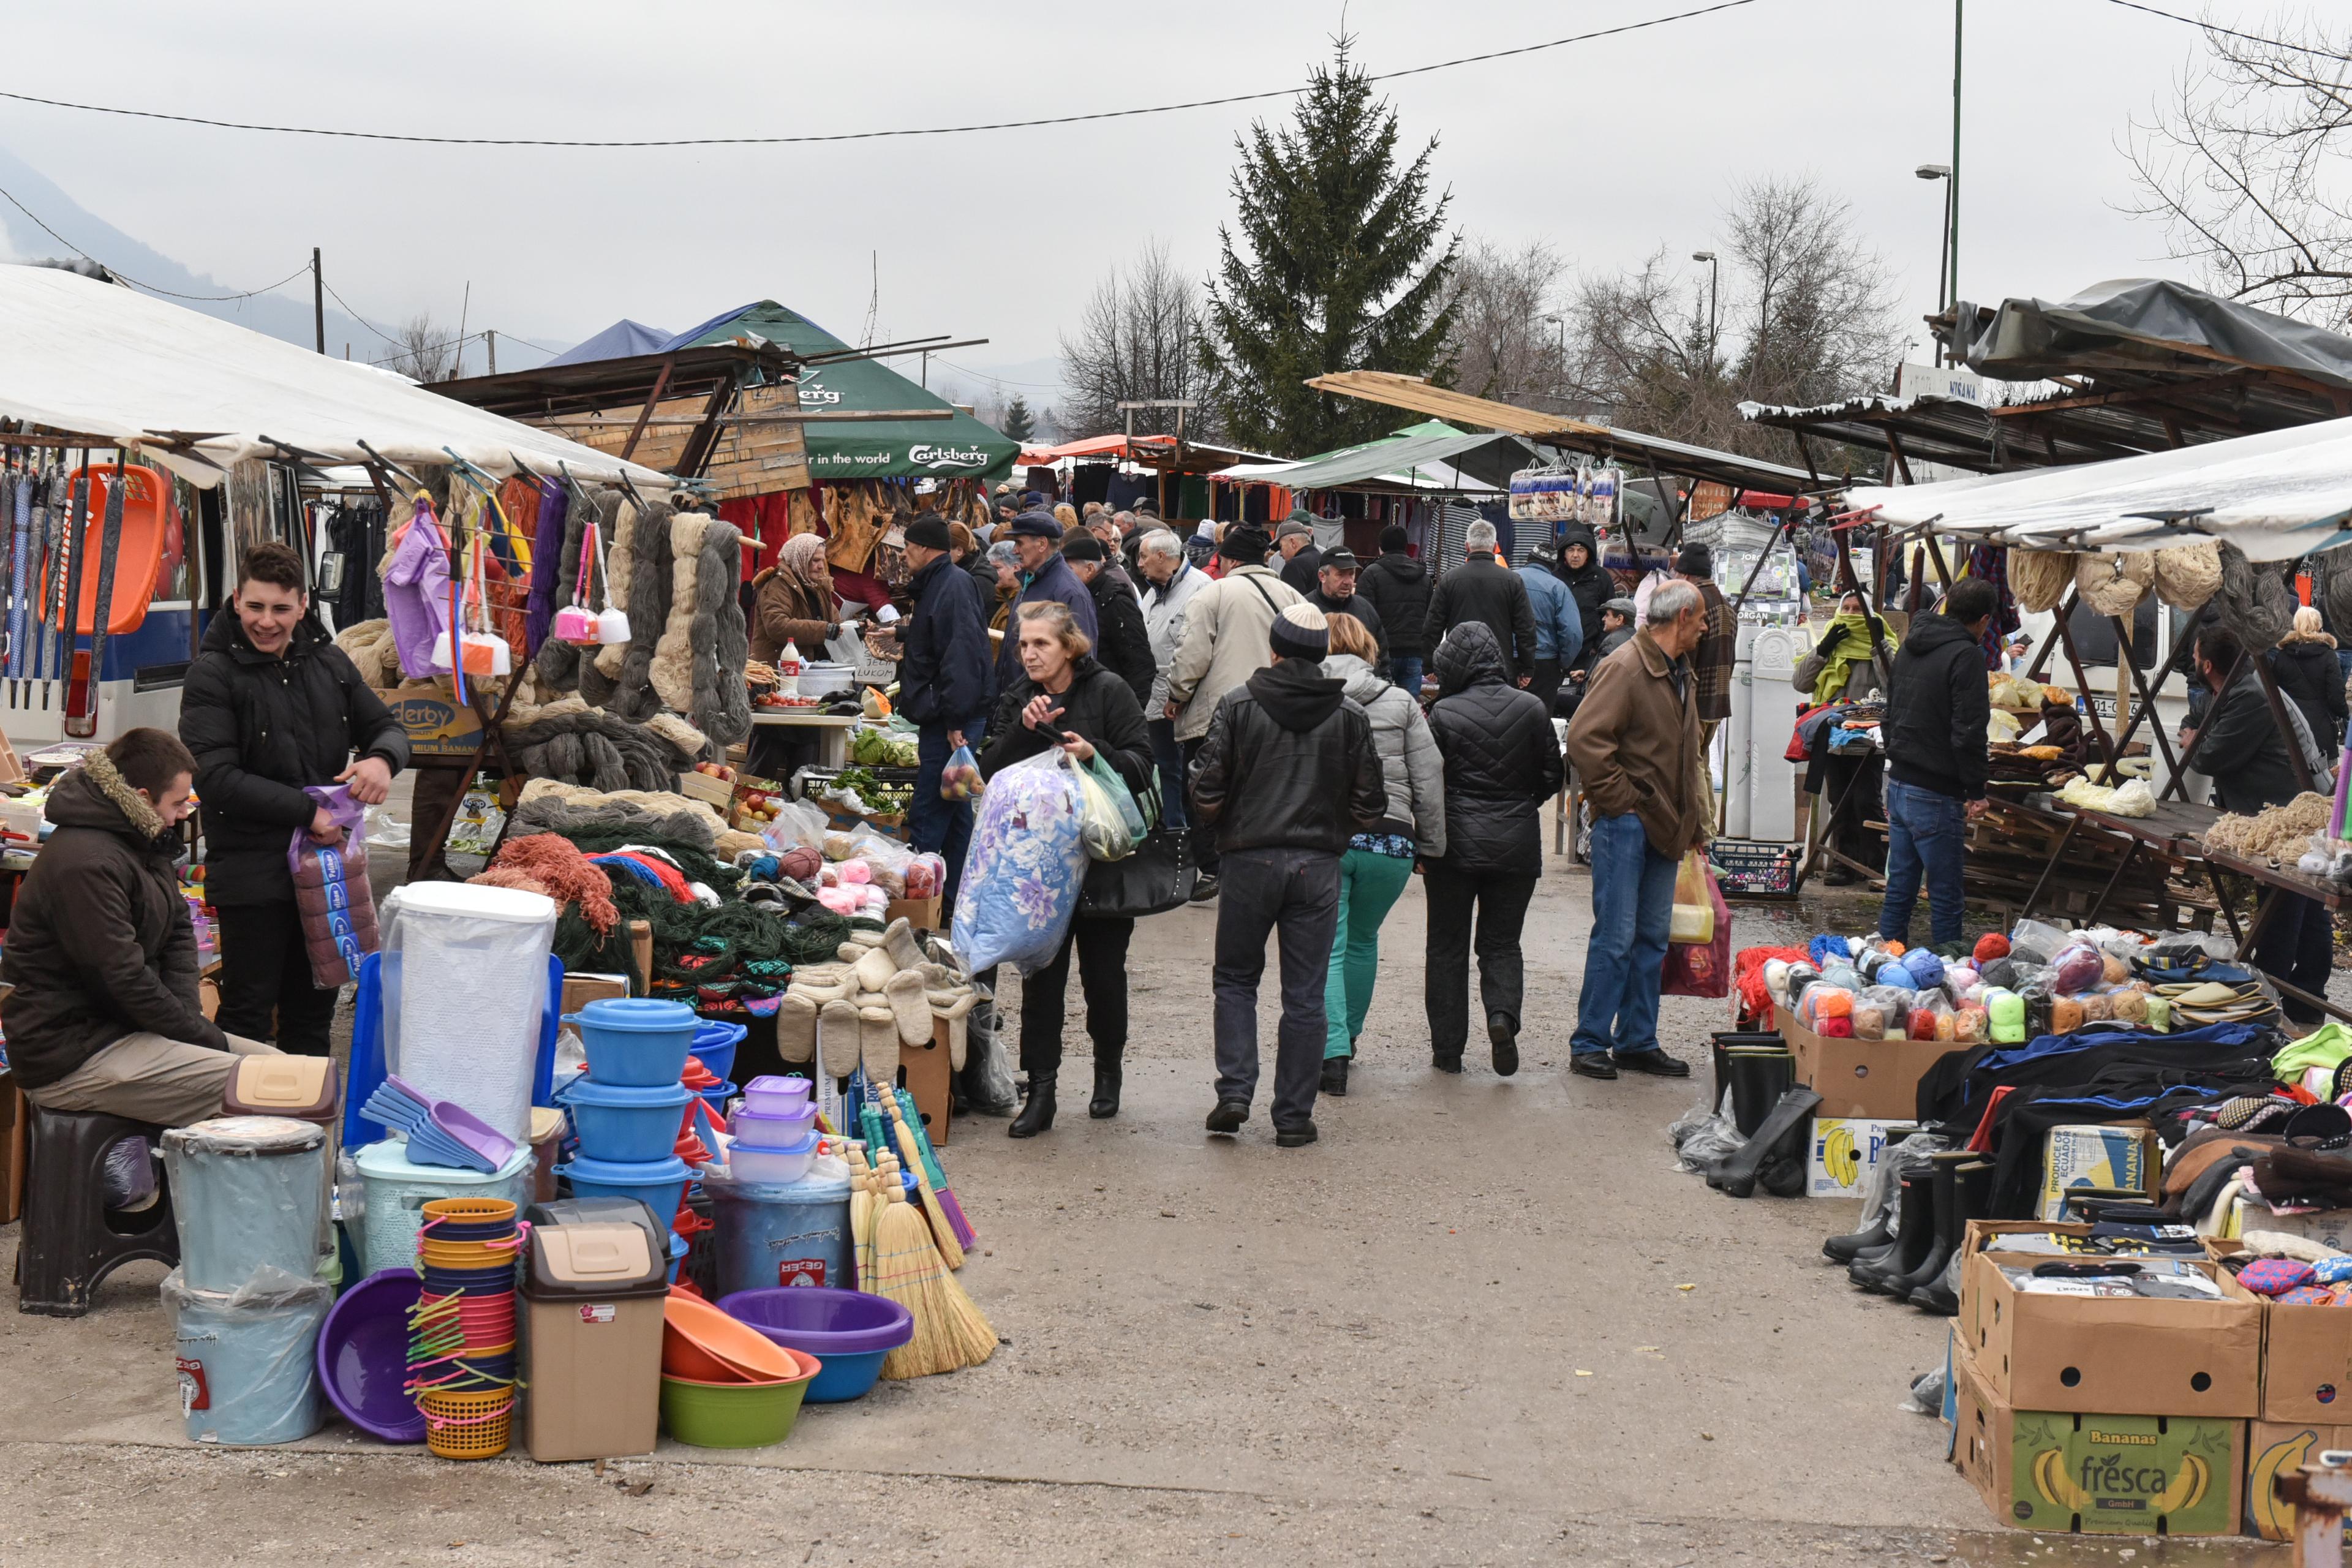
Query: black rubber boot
[1758,1079]
[1038,1115]
[1846,1249]
[1915,1232]
[1104,1104]
[1793,1116]
[1972,1196]
[1944,1207]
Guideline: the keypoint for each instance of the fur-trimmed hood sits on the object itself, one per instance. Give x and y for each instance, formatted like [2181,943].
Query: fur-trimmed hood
[95,795]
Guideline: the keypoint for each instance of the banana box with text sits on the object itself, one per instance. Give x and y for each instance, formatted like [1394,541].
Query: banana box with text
[2077,1473]
[2122,1355]
[1873,1080]
[2275,1449]
[1845,1150]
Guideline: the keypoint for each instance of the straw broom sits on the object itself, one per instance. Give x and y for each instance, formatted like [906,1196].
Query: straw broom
[949,1206]
[861,1216]
[949,1331]
[943,1232]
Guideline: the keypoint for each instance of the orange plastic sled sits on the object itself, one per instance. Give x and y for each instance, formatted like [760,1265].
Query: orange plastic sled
[139,556]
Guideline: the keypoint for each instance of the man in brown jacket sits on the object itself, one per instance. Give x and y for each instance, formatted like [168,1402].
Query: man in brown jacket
[1635,744]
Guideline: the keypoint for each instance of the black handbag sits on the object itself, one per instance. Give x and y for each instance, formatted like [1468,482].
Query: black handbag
[1159,877]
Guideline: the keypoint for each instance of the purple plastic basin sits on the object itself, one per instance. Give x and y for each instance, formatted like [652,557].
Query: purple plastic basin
[363,1356]
[848,1331]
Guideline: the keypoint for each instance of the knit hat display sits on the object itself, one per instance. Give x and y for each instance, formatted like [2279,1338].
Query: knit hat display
[929,530]
[1300,632]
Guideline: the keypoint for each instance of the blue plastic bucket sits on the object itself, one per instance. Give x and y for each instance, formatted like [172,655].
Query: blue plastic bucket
[717,1098]
[618,1123]
[635,1040]
[771,1235]
[249,1191]
[659,1185]
[248,1368]
[715,1040]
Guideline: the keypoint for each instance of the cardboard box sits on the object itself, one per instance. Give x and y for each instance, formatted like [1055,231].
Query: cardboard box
[1845,1150]
[437,724]
[2122,1355]
[2329,1227]
[580,988]
[2306,1359]
[1870,1079]
[2095,1475]
[2275,1449]
[923,914]
[2121,1155]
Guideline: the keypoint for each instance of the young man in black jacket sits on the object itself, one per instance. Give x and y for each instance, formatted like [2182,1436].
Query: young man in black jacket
[2241,748]
[946,681]
[1285,777]
[272,708]
[1483,589]
[1936,761]
[1397,585]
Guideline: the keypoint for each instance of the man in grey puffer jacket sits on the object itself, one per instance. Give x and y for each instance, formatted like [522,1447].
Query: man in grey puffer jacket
[1380,863]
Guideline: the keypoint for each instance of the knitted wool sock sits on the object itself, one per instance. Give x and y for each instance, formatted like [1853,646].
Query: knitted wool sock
[878,1044]
[796,1026]
[898,942]
[837,1039]
[956,1007]
[875,969]
[909,1007]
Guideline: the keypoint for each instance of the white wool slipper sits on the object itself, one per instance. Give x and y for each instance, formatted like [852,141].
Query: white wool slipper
[956,1007]
[822,989]
[898,942]
[910,1008]
[796,1026]
[875,969]
[878,1044]
[837,1039]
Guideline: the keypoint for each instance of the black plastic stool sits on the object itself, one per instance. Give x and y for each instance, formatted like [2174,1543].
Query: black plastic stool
[70,1241]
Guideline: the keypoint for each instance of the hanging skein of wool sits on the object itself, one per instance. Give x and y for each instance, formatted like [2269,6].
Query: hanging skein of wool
[564,874]
[2114,585]
[2039,577]
[2257,607]
[2188,574]
[688,856]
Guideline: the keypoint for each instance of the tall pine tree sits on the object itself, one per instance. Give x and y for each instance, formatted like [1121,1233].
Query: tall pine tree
[1019,423]
[1338,272]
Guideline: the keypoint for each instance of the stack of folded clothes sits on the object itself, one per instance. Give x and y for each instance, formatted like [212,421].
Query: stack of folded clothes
[2202,990]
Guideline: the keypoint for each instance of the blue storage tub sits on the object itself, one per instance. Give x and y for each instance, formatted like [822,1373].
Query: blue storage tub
[624,1123]
[635,1040]
[715,1040]
[659,1185]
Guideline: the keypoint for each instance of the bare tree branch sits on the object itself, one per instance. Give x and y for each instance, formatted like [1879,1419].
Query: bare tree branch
[1138,338]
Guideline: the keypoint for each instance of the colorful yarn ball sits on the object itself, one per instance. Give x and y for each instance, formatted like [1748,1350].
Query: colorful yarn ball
[1990,946]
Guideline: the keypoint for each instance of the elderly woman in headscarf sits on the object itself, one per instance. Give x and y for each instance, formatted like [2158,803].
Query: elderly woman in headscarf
[1840,668]
[794,601]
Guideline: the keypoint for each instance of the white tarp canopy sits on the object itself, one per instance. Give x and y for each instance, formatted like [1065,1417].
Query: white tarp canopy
[89,358]
[2276,496]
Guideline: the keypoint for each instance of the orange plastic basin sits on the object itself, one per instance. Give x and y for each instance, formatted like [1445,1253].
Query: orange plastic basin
[704,1344]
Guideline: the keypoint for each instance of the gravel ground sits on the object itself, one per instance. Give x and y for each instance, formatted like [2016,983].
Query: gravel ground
[1483,1321]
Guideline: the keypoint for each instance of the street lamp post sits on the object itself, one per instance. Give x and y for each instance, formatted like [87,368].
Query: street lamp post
[1944,251]
[1562,368]
[1714,320]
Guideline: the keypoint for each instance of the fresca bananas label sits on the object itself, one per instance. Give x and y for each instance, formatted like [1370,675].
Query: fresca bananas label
[2122,1473]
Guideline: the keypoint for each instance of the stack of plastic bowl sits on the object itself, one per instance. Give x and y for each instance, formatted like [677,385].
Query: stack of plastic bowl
[715,1040]
[628,1110]
[775,1132]
[724,1383]
[461,1332]
[848,1331]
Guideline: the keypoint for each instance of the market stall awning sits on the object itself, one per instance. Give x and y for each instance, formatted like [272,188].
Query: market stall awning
[1116,446]
[1426,456]
[86,358]
[2275,496]
[953,444]
[1630,448]
[621,340]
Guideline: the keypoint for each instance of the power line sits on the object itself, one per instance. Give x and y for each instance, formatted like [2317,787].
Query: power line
[2224,32]
[150,288]
[860,135]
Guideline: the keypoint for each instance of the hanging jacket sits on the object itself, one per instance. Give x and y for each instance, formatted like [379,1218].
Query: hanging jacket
[262,728]
[1411,768]
[1397,585]
[1501,760]
[1288,763]
[99,945]
[415,596]
[2310,676]
[947,676]
[1937,714]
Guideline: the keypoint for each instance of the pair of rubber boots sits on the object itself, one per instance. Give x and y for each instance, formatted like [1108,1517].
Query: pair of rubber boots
[1770,1110]
[1931,1215]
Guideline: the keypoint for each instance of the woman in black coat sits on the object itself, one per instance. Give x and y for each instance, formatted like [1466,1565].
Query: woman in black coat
[1064,698]
[1502,759]
[2310,676]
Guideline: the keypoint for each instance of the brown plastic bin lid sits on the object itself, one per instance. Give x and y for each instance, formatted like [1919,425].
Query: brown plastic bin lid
[300,1087]
[594,1262]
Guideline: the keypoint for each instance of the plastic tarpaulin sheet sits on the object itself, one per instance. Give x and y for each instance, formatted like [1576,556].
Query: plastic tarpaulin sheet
[1415,456]
[2276,496]
[2149,324]
[99,358]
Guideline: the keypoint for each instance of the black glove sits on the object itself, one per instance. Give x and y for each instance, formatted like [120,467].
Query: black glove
[1828,644]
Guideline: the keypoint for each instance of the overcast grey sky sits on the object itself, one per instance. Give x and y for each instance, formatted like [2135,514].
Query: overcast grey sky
[1606,149]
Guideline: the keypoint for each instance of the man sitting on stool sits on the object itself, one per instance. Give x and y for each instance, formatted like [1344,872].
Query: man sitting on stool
[105,1016]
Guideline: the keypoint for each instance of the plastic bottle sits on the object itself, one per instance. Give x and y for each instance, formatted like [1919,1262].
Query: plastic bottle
[787,669]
